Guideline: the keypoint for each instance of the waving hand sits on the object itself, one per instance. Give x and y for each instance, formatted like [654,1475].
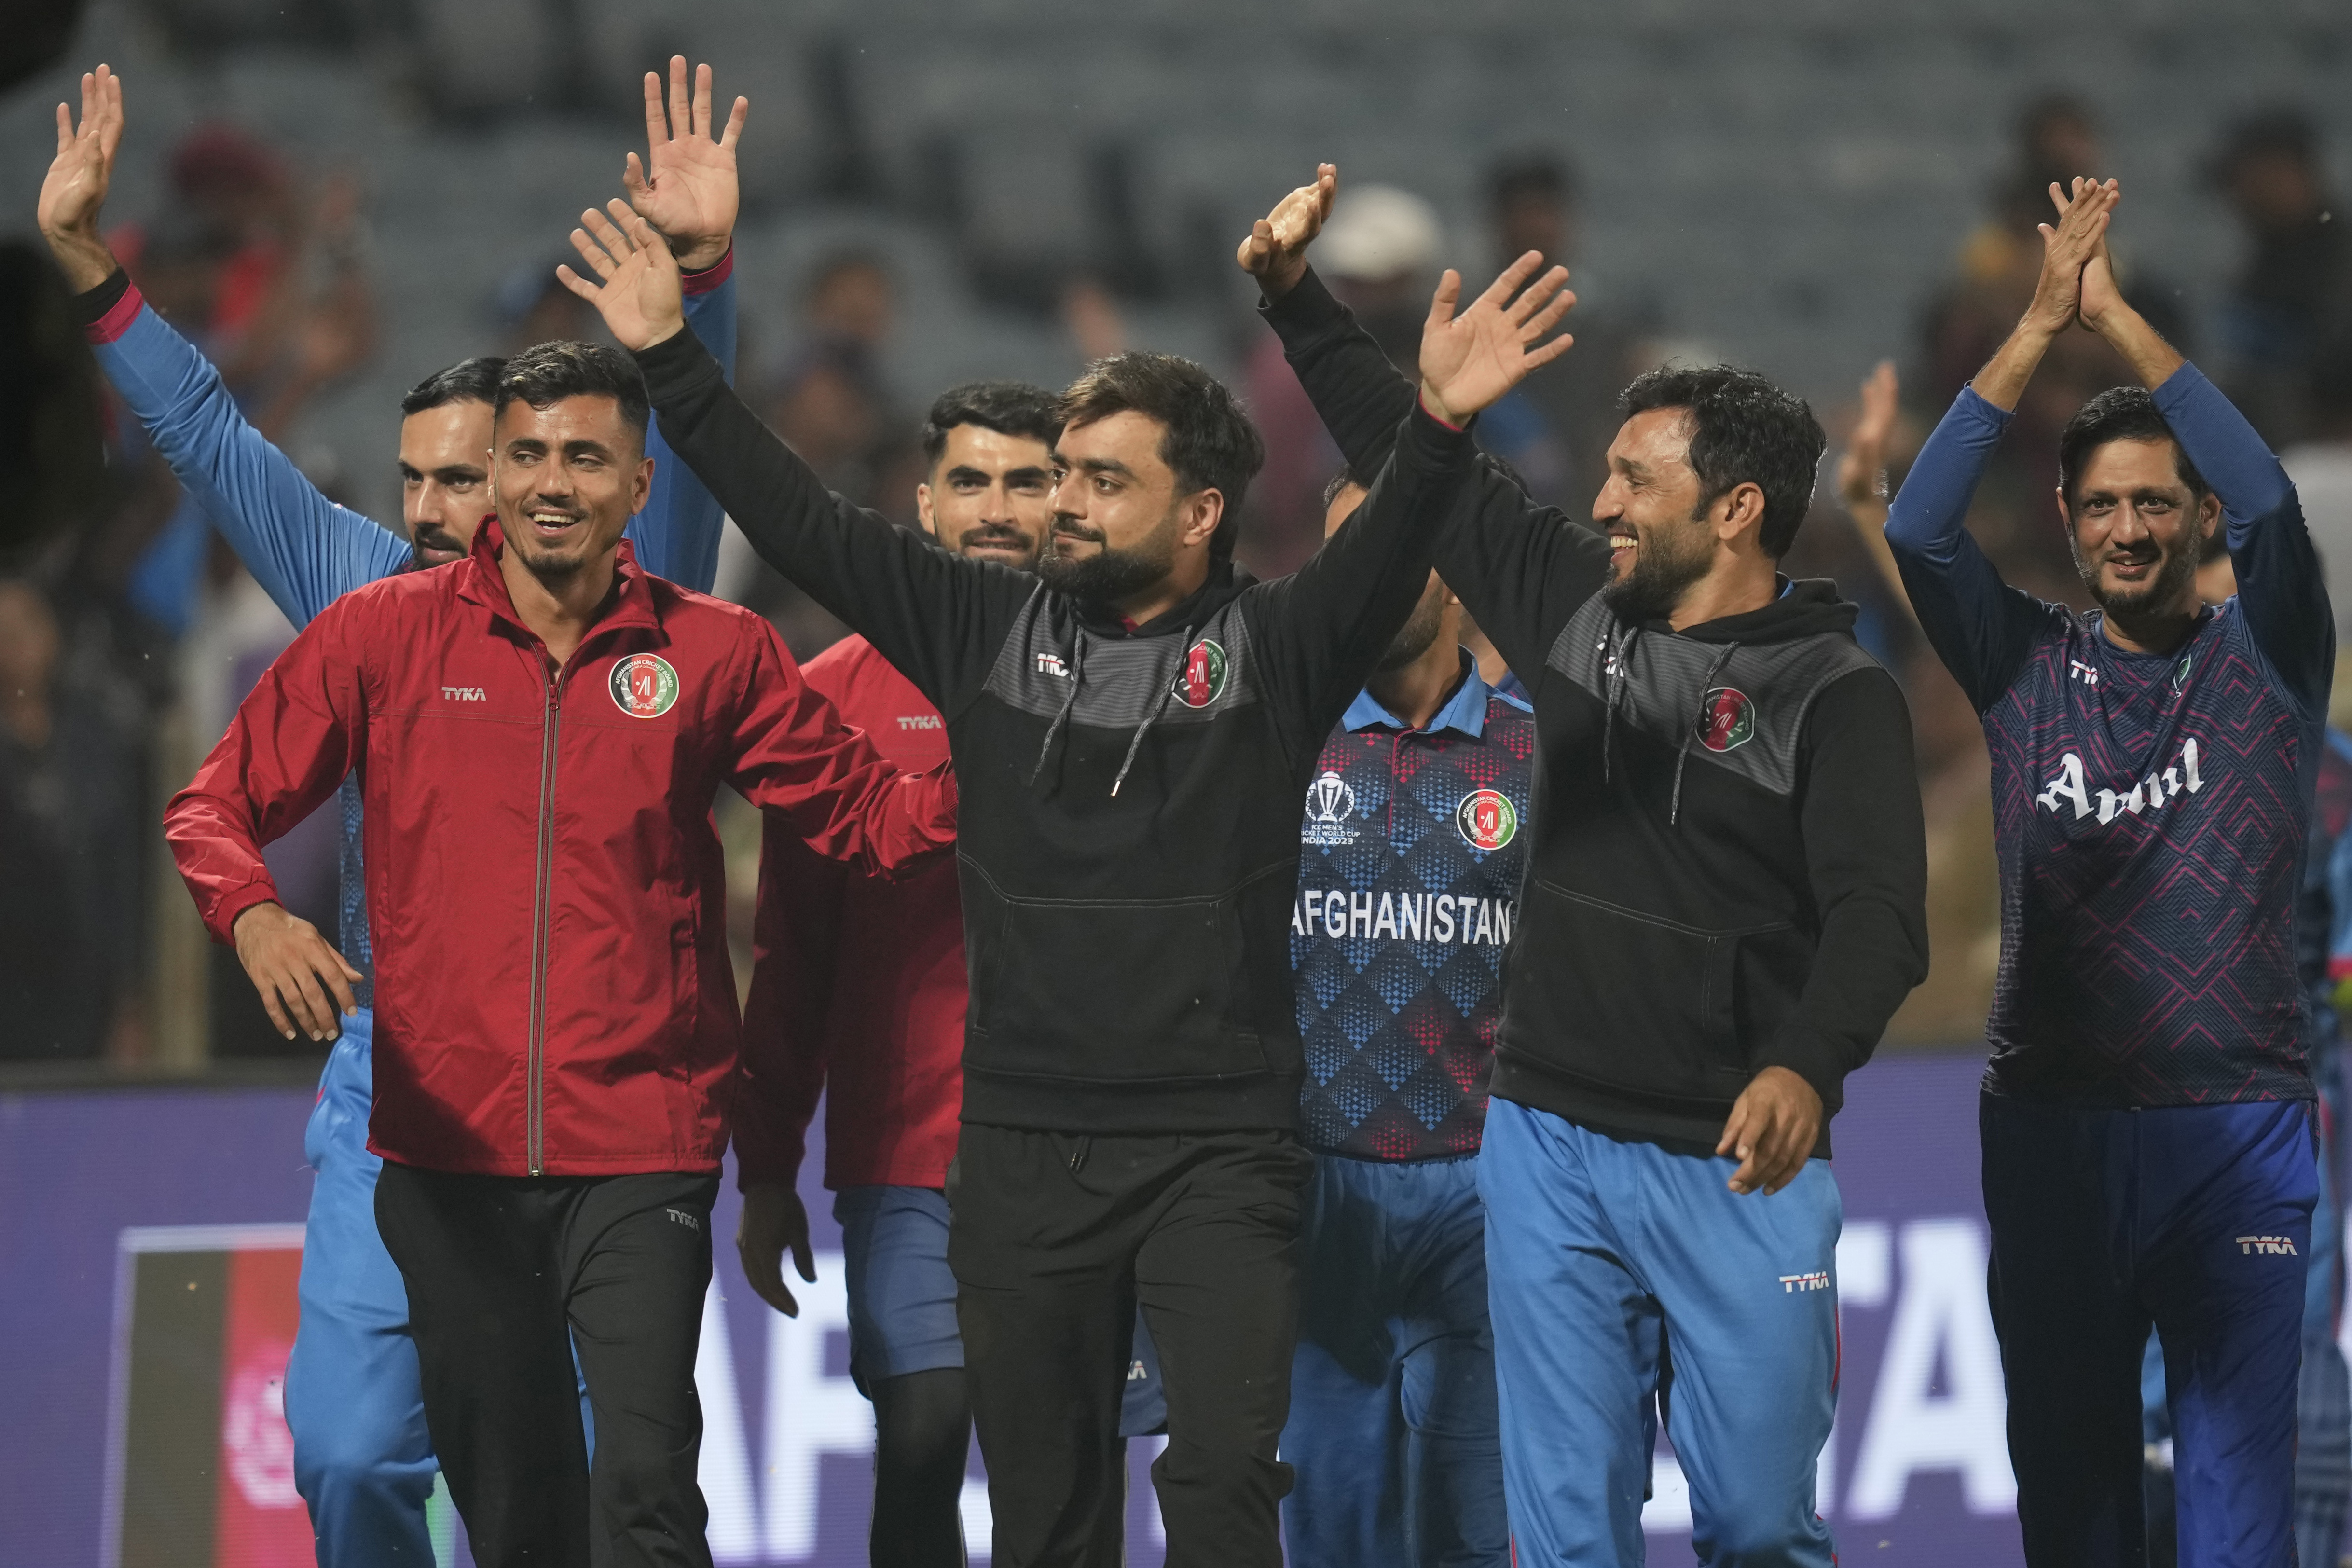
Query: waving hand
[1275,250]
[75,189]
[638,292]
[691,193]
[1471,360]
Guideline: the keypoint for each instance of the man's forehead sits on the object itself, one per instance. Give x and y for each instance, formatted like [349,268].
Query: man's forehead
[452,432]
[591,416]
[2137,463]
[1654,439]
[978,447]
[1130,440]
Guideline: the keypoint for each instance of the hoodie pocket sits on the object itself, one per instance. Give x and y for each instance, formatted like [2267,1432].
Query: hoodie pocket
[1107,990]
[1644,1004]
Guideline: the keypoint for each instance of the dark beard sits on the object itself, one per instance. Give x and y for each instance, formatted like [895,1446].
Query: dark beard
[1412,638]
[2161,590]
[1111,574]
[1657,583]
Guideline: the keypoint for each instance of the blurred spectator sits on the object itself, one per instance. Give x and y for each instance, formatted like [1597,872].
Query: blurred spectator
[50,405]
[2296,285]
[72,837]
[1531,204]
[1380,253]
[534,307]
[2321,467]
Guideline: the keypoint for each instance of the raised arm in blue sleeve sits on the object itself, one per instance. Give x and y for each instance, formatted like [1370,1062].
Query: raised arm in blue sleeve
[676,534]
[2282,592]
[304,550]
[1980,626]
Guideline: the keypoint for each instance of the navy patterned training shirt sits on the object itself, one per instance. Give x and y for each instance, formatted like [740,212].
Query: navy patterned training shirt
[1412,845]
[2150,811]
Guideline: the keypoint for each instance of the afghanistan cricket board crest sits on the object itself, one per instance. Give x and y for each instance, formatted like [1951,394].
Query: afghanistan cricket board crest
[1486,819]
[1727,719]
[644,686]
[1202,679]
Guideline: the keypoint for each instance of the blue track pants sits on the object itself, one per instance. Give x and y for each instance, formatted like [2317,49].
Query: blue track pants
[2196,1220]
[1393,1429]
[1623,1273]
[362,1459]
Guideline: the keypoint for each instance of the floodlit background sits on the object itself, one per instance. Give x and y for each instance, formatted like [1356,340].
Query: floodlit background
[337,198]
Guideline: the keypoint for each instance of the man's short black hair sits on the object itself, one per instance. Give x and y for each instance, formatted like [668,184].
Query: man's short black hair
[2119,414]
[472,380]
[1210,442]
[1743,430]
[1007,407]
[546,373]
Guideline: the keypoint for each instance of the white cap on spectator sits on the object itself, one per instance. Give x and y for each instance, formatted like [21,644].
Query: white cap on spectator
[1378,233]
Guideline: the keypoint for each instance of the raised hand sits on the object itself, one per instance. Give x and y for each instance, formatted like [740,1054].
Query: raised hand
[638,292]
[75,190]
[1470,360]
[2099,294]
[687,187]
[2067,247]
[1861,467]
[1275,251]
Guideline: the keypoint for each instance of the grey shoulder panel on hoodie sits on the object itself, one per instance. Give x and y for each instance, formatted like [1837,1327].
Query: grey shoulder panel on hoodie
[1739,706]
[1122,682]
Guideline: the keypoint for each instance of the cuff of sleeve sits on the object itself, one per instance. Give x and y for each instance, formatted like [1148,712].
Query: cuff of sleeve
[1308,305]
[765,1154]
[1423,403]
[671,364]
[2178,387]
[1978,408]
[710,276]
[1817,1060]
[107,312]
[222,917]
[1437,439]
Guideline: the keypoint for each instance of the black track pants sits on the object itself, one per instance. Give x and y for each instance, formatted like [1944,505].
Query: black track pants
[1055,1238]
[506,1277]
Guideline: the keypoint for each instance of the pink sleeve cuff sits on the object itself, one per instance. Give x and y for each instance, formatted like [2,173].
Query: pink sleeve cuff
[1457,429]
[125,310]
[710,276]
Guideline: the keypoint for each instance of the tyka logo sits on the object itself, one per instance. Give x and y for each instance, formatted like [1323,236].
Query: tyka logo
[2267,1246]
[644,686]
[1819,1279]
[920,721]
[1727,719]
[2145,794]
[1486,819]
[2088,674]
[1202,679]
[1329,804]
[464,694]
[1051,664]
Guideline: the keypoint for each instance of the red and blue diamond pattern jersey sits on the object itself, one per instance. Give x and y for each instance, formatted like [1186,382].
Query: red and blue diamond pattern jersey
[1412,842]
[2152,811]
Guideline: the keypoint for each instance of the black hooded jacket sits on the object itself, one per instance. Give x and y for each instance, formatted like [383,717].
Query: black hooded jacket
[1729,867]
[1129,826]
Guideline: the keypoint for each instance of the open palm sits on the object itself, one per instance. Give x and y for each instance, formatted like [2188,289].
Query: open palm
[637,289]
[687,187]
[1276,249]
[1470,360]
[75,188]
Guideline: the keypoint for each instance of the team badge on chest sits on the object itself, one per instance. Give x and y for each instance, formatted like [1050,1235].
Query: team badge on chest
[1486,819]
[1202,679]
[1728,720]
[644,686]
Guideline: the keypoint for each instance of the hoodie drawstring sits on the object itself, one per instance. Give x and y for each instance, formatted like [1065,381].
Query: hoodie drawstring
[1616,660]
[1674,810]
[1166,691]
[1061,720]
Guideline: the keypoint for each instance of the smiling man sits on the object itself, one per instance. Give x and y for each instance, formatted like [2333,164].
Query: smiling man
[363,1459]
[539,731]
[1136,724]
[2146,1117]
[1724,904]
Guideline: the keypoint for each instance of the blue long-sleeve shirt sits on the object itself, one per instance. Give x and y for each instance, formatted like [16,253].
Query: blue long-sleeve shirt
[306,552]
[2150,810]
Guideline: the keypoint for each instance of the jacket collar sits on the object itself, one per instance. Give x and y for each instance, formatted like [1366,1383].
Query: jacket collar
[1466,710]
[633,604]
[1225,581]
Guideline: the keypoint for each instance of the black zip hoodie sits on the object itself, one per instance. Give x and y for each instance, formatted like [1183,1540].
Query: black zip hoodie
[1128,847]
[1729,867]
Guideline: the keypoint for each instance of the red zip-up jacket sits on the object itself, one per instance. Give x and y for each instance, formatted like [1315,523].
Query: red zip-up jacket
[553,995]
[859,991]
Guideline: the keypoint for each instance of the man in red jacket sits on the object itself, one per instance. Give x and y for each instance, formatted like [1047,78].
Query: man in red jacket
[858,996]
[539,732]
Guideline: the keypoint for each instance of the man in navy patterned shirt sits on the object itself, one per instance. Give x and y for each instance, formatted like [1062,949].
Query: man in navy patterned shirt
[1412,842]
[2147,1119]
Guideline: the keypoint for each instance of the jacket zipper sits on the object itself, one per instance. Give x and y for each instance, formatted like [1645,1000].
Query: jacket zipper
[534,1134]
